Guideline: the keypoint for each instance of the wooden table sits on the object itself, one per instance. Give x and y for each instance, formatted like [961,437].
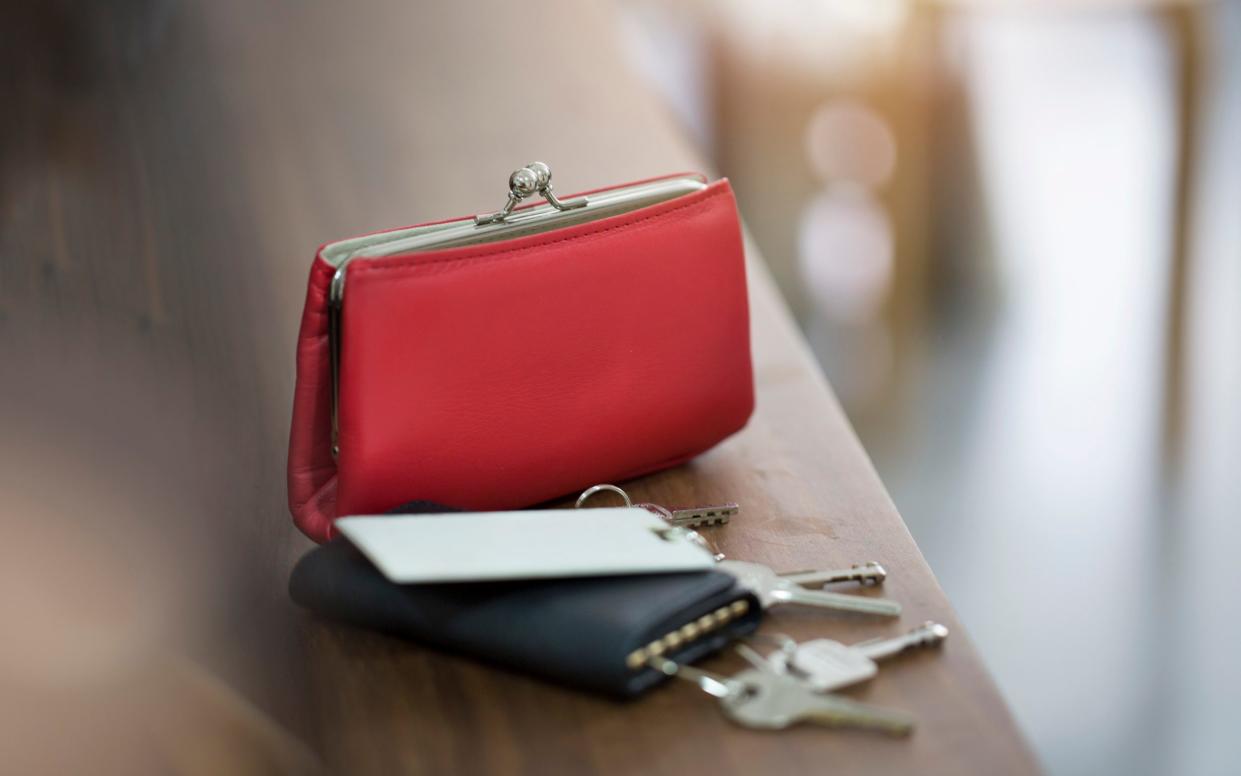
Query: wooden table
[167,171]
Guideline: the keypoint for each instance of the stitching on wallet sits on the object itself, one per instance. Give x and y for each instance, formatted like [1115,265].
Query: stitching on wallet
[413,263]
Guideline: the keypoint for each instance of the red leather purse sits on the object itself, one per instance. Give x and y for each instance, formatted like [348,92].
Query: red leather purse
[498,361]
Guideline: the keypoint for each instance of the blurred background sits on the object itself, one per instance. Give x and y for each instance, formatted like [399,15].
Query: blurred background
[1011,232]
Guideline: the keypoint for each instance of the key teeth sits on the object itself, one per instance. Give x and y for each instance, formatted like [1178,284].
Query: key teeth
[698,517]
[701,522]
[849,713]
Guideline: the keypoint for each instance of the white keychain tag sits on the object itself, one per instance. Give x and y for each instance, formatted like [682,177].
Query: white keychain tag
[548,544]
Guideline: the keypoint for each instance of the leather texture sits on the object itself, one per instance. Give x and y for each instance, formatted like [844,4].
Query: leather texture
[502,375]
[576,632]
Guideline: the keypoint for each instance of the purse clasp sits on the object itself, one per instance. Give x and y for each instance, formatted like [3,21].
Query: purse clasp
[534,178]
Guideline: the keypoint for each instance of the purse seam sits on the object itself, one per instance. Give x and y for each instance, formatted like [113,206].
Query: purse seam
[412,262]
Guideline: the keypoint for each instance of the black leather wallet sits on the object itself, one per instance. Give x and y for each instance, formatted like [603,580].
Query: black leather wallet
[591,633]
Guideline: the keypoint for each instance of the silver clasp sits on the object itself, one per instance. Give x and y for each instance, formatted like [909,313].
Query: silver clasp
[534,178]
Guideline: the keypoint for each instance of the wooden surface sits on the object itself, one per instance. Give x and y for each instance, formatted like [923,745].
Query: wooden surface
[167,171]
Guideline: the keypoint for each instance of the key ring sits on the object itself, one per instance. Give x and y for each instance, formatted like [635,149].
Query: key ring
[662,512]
[593,489]
[787,644]
[712,684]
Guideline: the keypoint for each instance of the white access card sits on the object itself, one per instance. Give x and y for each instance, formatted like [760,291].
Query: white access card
[547,543]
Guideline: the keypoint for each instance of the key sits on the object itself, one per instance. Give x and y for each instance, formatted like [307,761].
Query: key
[827,665]
[869,573]
[765,700]
[697,517]
[693,517]
[773,590]
[689,517]
[770,701]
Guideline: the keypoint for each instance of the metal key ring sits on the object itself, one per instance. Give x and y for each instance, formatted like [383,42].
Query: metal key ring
[593,489]
[663,512]
[786,643]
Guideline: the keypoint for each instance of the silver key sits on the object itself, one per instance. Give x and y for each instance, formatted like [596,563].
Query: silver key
[690,517]
[826,665]
[771,701]
[693,517]
[773,590]
[869,573]
[765,700]
[697,517]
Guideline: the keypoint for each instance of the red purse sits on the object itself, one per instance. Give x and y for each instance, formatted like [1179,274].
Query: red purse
[498,361]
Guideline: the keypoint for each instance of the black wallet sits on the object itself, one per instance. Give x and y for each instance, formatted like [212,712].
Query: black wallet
[592,633]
